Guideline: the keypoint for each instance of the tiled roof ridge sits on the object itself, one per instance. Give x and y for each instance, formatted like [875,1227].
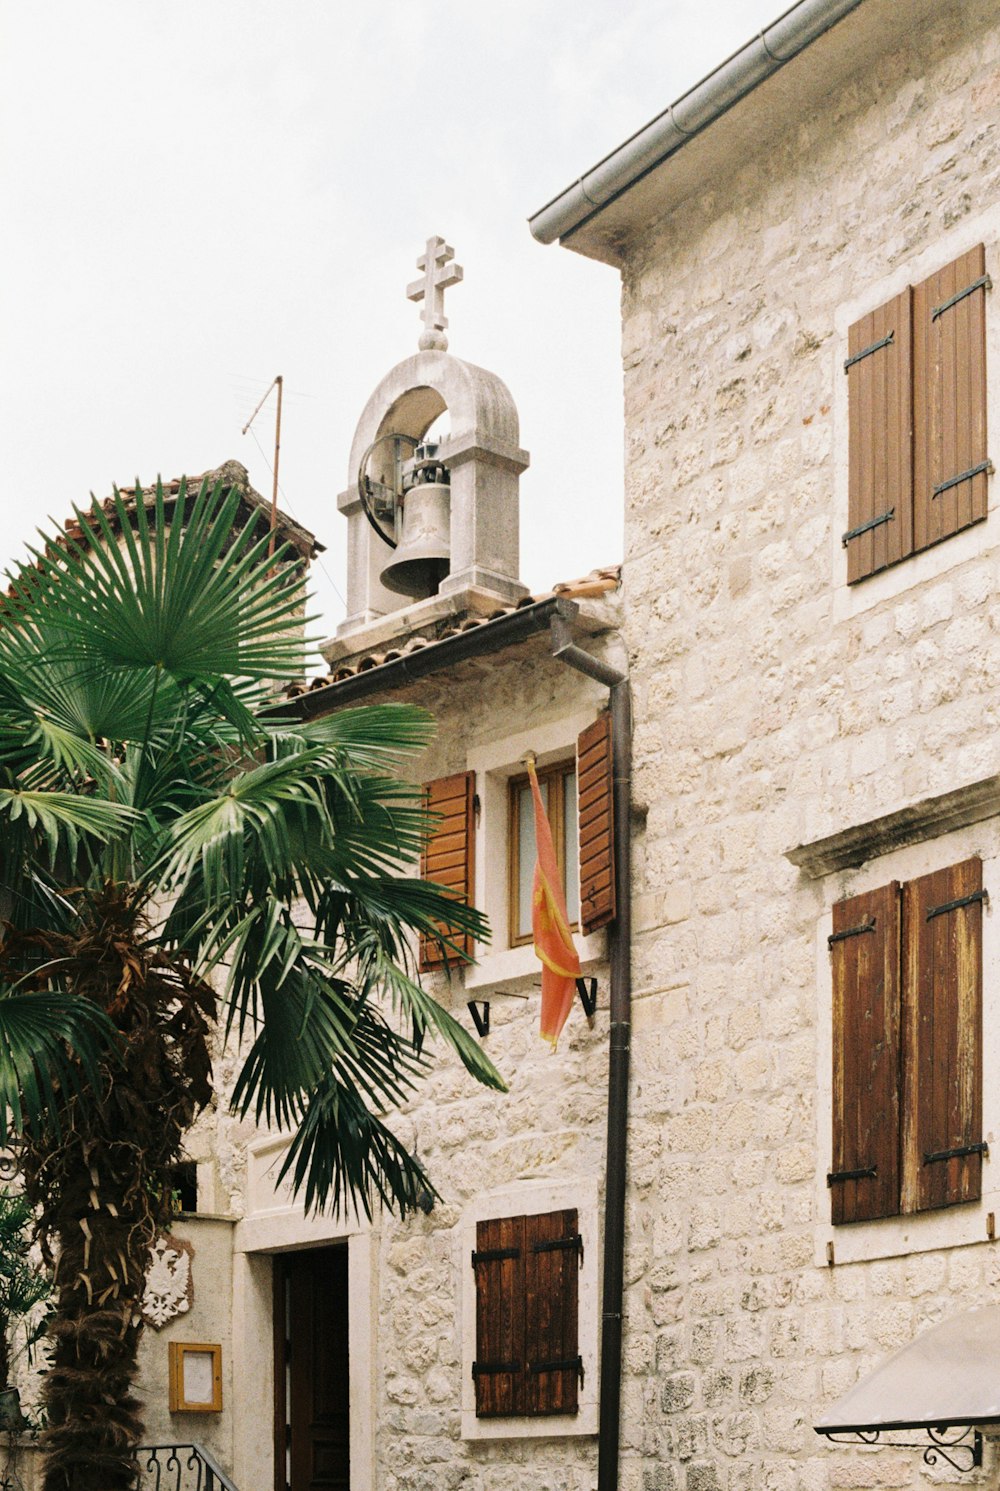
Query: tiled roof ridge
[232,474]
[598,582]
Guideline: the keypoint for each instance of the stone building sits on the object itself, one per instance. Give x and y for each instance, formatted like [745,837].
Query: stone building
[811,357]
[811,354]
[379,1354]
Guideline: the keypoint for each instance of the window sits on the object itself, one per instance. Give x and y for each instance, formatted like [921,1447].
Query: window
[557,785]
[579,800]
[183,1178]
[449,856]
[907,1046]
[526,1272]
[916,371]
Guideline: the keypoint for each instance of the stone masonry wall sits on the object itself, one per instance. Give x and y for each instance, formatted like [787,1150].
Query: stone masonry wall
[772,707]
[550,1124]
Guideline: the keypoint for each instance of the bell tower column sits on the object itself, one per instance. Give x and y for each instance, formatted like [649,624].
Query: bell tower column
[472,558]
[485,521]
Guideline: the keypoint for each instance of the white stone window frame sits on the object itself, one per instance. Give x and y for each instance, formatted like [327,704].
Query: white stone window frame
[532,1198]
[854,600]
[965,1222]
[494,764]
[275,1223]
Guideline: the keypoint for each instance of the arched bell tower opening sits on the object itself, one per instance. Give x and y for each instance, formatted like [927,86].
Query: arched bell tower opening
[432,523]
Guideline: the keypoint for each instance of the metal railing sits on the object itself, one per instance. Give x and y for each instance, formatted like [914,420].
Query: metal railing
[179,1467]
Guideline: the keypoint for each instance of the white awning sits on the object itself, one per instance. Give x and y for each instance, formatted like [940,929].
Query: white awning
[950,1375]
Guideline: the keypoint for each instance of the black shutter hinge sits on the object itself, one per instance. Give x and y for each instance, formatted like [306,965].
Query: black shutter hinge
[983,283]
[956,481]
[956,1154]
[888,517]
[977,895]
[558,1244]
[837,1177]
[494,1255]
[885,341]
[868,926]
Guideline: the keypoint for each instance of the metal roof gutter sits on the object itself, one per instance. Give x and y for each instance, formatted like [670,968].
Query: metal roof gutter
[478,641]
[801,25]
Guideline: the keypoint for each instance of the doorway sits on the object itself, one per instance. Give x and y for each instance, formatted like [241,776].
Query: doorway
[312,1400]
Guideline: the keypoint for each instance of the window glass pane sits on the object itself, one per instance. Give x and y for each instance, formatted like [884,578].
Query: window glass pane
[571,853]
[526,853]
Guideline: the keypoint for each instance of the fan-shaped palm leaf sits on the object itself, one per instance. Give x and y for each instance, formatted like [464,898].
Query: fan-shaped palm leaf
[223,612]
[47,1041]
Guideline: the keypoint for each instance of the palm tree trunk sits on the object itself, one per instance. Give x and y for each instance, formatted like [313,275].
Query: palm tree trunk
[99,1181]
[102,1253]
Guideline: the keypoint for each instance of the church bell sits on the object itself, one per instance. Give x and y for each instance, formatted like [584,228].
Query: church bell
[422,556]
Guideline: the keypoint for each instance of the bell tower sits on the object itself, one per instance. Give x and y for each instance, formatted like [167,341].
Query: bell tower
[432,523]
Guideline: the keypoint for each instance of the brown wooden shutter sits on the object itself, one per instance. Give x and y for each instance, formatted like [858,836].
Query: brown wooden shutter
[864,1174]
[880,421]
[449,857]
[942,1022]
[499,1366]
[527,1298]
[949,393]
[596,825]
[552,1353]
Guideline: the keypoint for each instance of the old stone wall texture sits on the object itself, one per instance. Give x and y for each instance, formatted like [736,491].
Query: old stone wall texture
[551,1124]
[772,707]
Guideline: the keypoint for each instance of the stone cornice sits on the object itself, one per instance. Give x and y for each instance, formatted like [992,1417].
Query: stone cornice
[927,819]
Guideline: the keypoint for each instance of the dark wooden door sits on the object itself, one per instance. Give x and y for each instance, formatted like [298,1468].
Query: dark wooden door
[311,1372]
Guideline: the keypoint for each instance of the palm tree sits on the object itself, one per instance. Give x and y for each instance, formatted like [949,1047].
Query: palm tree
[180,866]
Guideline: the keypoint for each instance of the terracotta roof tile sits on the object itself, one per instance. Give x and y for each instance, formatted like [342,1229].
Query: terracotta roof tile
[599,582]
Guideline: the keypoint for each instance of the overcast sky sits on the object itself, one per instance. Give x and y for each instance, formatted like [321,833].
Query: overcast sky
[201,194]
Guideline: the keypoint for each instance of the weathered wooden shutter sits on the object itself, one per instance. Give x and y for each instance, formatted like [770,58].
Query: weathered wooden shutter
[880,420]
[942,1040]
[552,1257]
[449,857]
[596,825]
[527,1346]
[864,946]
[498,1369]
[949,393]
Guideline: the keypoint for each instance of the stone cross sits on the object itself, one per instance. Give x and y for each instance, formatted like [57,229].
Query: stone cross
[439,273]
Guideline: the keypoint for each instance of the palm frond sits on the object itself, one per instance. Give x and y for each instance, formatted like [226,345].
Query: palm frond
[253,814]
[342,1154]
[61,818]
[367,738]
[305,1020]
[48,1041]
[185,591]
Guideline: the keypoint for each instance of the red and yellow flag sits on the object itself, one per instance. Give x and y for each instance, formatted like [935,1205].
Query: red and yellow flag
[550,926]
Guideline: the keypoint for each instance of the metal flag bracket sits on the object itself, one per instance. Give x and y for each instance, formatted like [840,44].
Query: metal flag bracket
[479,1009]
[480,1012]
[587,990]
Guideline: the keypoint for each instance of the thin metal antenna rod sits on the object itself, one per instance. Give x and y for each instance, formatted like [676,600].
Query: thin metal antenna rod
[277,383]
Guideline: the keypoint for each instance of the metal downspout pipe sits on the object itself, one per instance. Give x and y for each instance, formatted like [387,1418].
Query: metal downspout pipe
[620,959]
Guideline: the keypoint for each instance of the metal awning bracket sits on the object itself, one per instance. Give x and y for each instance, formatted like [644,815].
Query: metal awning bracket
[959,1445]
